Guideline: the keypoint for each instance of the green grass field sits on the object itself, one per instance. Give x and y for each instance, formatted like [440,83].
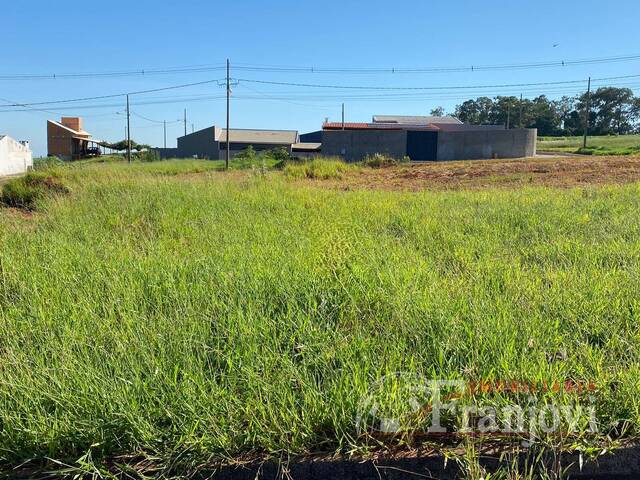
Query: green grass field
[604,145]
[190,315]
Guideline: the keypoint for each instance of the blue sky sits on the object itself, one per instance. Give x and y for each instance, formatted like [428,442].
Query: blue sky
[43,37]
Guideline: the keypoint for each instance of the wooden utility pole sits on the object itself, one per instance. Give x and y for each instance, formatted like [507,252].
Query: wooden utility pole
[521,110]
[587,111]
[508,115]
[185,122]
[165,133]
[343,116]
[226,158]
[128,132]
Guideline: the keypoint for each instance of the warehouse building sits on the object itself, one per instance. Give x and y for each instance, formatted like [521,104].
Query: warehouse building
[15,156]
[425,138]
[211,142]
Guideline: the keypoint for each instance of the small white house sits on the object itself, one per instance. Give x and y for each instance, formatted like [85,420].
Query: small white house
[15,157]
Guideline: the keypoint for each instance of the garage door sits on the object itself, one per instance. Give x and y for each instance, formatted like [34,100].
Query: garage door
[422,145]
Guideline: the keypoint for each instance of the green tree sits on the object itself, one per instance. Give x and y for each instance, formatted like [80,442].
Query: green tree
[611,110]
[437,112]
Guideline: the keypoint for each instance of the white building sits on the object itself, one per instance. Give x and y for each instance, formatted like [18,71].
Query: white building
[15,157]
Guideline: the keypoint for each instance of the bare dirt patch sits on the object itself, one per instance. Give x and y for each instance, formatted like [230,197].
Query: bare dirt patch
[476,174]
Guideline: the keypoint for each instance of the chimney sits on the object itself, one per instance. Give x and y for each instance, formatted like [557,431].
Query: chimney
[74,123]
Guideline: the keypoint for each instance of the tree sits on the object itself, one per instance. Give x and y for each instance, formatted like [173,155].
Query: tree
[611,110]
[122,145]
[504,110]
[476,112]
[564,108]
[437,112]
[544,116]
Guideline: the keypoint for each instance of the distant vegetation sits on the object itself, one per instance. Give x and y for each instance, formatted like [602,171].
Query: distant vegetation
[613,111]
[603,145]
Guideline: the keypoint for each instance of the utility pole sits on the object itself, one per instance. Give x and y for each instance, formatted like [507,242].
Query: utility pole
[165,133]
[343,116]
[185,122]
[586,115]
[193,128]
[226,158]
[128,132]
[520,110]
[508,115]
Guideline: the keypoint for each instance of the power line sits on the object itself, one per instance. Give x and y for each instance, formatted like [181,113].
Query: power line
[154,121]
[129,73]
[465,68]
[456,87]
[115,95]
[317,70]
[310,85]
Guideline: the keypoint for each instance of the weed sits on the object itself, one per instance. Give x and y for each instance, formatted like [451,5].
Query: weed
[378,160]
[322,169]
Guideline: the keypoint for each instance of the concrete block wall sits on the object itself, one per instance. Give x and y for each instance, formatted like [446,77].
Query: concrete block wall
[478,144]
[355,145]
[167,152]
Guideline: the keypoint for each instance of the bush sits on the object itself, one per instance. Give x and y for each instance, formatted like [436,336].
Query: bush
[25,192]
[148,156]
[249,154]
[279,154]
[379,160]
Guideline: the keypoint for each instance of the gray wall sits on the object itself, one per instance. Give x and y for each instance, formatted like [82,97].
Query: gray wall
[201,143]
[167,152]
[470,145]
[355,145]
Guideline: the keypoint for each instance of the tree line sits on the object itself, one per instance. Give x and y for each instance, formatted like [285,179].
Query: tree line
[612,111]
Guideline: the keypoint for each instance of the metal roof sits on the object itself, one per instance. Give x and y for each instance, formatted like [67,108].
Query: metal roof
[80,133]
[276,137]
[414,120]
[307,146]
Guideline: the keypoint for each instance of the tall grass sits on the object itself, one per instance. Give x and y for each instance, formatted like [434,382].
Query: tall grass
[199,318]
[320,168]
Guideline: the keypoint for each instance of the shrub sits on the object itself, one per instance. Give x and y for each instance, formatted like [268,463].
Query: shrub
[279,154]
[246,155]
[379,160]
[148,156]
[25,192]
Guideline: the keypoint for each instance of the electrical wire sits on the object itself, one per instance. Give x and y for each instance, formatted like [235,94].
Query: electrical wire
[466,68]
[115,95]
[456,87]
[190,69]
